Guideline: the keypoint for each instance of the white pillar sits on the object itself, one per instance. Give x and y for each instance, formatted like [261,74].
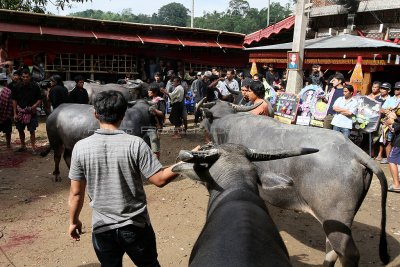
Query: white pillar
[192,18]
[295,77]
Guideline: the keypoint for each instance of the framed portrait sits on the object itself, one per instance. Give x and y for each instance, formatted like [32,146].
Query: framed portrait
[293,60]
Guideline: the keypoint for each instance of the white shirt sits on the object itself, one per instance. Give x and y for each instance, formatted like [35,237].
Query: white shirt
[340,120]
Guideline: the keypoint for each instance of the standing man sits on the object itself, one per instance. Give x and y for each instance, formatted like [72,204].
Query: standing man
[391,104]
[336,92]
[5,109]
[344,107]
[111,164]
[271,75]
[26,98]
[197,88]
[176,99]
[79,95]
[316,77]
[15,80]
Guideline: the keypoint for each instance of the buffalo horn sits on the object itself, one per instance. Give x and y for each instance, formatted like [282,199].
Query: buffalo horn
[278,154]
[132,103]
[209,104]
[233,92]
[200,104]
[151,103]
[246,108]
[207,156]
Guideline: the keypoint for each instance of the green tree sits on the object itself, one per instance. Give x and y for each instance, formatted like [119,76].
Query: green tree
[238,8]
[38,6]
[173,14]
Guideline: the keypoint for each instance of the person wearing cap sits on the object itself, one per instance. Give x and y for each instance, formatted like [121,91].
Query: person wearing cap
[384,90]
[256,95]
[391,104]
[345,106]
[336,92]
[393,122]
[6,109]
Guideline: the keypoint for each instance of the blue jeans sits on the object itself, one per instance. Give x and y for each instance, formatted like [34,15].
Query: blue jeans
[139,243]
[344,131]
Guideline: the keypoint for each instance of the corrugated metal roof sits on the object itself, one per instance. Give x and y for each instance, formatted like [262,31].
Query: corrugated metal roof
[344,41]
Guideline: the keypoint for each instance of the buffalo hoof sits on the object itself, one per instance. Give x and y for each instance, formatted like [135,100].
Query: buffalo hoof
[57,178]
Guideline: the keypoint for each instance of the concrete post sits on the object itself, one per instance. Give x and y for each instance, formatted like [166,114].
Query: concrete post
[295,77]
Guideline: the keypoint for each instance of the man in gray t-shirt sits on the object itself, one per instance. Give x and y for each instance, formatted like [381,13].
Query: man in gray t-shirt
[111,164]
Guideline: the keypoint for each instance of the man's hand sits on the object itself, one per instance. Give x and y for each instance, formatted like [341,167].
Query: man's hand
[15,117]
[75,230]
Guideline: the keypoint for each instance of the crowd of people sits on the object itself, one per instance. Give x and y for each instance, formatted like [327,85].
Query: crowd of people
[123,225]
[20,98]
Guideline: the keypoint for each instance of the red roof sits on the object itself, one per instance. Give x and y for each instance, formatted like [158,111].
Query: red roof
[200,41]
[276,28]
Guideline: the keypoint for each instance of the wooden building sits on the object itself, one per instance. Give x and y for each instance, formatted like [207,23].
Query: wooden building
[95,48]
[336,36]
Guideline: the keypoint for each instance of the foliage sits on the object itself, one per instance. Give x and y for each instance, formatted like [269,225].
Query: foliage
[37,6]
[238,17]
[173,14]
[241,18]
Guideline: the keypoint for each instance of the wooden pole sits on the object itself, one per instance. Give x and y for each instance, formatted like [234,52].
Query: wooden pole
[295,77]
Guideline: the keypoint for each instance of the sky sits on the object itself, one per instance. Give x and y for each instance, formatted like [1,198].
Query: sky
[152,6]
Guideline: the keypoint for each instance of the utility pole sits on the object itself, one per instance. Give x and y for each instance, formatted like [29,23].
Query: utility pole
[269,5]
[295,77]
[192,18]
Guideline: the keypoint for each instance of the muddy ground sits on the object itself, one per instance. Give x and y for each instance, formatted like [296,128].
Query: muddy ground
[34,216]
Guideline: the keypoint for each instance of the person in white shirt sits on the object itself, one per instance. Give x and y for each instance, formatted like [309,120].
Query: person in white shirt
[345,106]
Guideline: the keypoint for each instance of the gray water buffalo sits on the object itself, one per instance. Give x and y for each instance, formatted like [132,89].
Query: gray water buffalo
[70,123]
[238,230]
[330,185]
[131,91]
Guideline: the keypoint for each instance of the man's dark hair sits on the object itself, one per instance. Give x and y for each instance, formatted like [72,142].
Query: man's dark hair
[349,87]
[258,88]
[155,89]
[339,76]
[377,83]
[25,71]
[79,78]
[110,106]
[178,79]
[157,74]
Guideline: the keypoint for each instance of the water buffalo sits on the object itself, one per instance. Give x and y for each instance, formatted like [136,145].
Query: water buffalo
[70,123]
[330,185]
[238,230]
[131,91]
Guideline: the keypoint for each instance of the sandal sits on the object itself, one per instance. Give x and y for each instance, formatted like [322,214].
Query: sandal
[394,189]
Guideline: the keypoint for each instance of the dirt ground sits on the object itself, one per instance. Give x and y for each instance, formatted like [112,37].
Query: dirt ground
[34,216]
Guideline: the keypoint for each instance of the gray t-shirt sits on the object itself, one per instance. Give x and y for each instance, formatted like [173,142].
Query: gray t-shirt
[113,162]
